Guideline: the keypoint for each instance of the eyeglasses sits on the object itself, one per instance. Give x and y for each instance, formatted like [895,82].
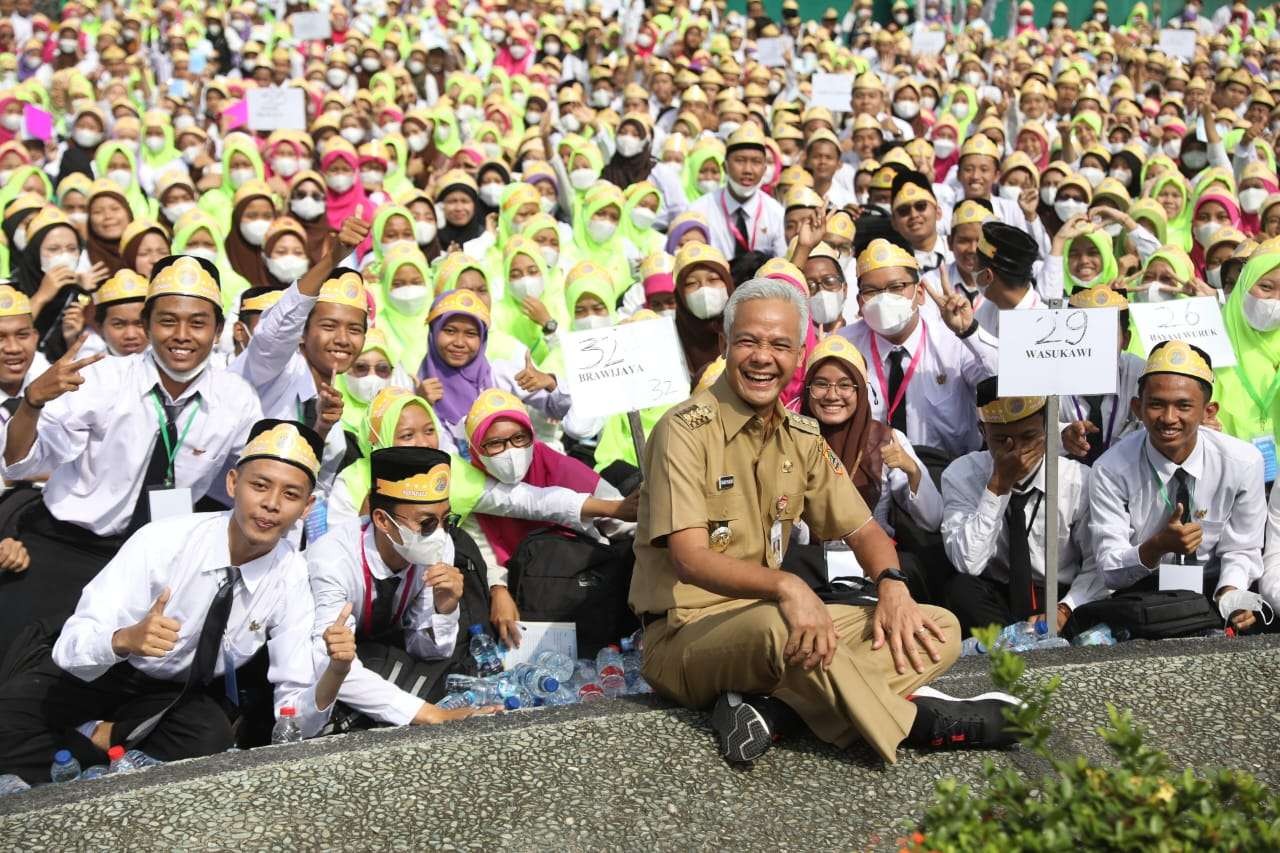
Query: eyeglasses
[494,446]
[382,369]
[831,282]
[908,209]
[822,388]
[428,525]
[897,288]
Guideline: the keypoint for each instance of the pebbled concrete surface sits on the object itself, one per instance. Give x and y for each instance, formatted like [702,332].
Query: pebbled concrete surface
[636,774]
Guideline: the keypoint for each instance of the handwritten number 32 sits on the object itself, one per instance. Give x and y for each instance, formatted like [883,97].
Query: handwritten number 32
[1069,329]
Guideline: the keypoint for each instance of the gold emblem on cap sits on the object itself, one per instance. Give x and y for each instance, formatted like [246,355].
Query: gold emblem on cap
[347,289]
[881,254]
[428,487]
[283,442]
[125,284]
[1006,410]
[185,277]
[1178,357]
[459,301]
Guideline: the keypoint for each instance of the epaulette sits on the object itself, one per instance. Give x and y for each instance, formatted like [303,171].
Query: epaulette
[696,415]
[804,423]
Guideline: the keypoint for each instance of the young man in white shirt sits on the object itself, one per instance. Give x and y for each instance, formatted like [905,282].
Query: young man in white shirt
[148,659]
[120,438]
[993,521]
[1006,258]
[1177,492]
[741,217]
[400,566]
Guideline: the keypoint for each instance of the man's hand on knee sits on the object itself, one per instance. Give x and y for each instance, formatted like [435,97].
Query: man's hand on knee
[907,628]
[812,635]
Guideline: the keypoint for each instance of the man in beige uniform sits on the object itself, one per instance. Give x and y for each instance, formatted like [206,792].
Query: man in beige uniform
[727,475]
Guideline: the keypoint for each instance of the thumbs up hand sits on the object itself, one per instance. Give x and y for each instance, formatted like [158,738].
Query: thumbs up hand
[340,642]
[532,379]
[153,636]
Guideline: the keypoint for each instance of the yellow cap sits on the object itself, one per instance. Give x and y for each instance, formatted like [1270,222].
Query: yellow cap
[834,346]
[1101,296]
[430,486]
[490,402]
[969,212]
[347,288]
[261,302]
[185,277]
[284,442]
[1178,357]
[463,301]
[710,374]
[691,254]
[840,224]
[657,263]
[13,303]
[749,135]
[912,192]
[1007,410]
[980,145]
[125,286]
[881,254]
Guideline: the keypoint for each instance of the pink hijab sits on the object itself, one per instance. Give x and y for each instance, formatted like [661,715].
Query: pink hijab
[1233,211]
[509,63]
[1251,223]
[353,202]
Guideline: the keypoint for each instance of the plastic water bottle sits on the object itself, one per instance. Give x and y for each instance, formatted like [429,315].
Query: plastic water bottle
[561,666]
[1026,636]
[10,784]
[120,763]
[65,767]
[484,652]
[461,699]
[1098,635]
[141,760]
[972,646]
[538,681]
[631,663]
[564,696]
[286,728]
[95,772]
[585,683]
[456,682]
[609,671]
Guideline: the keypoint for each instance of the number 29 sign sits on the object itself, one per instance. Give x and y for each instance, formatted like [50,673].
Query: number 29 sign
[1058,351]
[624,368]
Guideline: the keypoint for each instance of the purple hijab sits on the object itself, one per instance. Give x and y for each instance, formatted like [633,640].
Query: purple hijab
[461,384]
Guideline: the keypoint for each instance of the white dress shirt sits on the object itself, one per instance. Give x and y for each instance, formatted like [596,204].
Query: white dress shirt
[1269,584]
[272,364]
[941,398]
[1117,417]
[1228,502]
[96,443]
[976,537]
[988,314]
[337,577]
[271,605]
[764,218]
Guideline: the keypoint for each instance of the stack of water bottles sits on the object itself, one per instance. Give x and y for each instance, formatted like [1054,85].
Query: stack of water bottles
[1034,636]
[66,768]
[550,678]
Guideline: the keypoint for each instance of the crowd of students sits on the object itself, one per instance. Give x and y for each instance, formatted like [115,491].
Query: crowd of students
[346,341]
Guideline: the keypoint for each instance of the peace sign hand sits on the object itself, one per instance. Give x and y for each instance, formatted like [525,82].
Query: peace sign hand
[62,376]
[955,309]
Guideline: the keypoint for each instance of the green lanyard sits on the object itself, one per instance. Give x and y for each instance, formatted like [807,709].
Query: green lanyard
[1263,403]
[170,450]
[1164,492]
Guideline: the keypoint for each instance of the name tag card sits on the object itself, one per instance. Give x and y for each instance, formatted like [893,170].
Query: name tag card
[1197,320]
[1058,351]
[166,503]
[1175,576]
[537,637]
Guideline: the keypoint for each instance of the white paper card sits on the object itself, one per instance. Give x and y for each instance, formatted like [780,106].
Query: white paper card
[833,91]
[1178,43]
[1174,576]
[310,26]
[1058,351]
[537,637]
[166,503]
[277,109]
[928,42]
[771,52]
[625,368]
[1197,320]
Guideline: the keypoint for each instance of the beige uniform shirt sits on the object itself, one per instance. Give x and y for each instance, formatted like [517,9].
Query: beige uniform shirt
[711,463]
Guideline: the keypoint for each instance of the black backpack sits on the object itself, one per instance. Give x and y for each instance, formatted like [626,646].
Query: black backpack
[1147,615]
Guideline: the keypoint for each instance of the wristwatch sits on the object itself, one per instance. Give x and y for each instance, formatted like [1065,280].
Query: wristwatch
[890,575]
[549,327]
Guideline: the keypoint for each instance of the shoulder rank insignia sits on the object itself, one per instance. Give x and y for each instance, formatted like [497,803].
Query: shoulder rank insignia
[804,423]
[834,461]
[696,415]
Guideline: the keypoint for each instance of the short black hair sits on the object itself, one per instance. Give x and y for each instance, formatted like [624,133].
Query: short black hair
[744,266]
[100,311]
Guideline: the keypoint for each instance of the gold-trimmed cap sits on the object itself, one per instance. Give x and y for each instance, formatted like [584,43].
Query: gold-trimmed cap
[13,302]
[1179,357]
[418,475]
[834,346]
[458,302]
[345,288]
[286,441]
[880,253]
[1101,296]
[125,286]
[1007,410]
[184,275]
[260,302]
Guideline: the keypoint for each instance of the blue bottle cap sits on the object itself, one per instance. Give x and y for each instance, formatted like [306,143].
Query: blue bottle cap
[512,703]
[62,756]
[476,629]
[551,684]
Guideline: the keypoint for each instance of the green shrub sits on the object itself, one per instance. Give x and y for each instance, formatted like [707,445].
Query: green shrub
[1136,803]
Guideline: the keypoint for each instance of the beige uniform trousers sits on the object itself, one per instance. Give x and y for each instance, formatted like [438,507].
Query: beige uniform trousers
[738,646]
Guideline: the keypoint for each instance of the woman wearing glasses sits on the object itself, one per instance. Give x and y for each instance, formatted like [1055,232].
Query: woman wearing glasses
[880,460]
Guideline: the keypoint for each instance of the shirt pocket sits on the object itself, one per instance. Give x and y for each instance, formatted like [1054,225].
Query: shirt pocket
[1210,532]
[729,505]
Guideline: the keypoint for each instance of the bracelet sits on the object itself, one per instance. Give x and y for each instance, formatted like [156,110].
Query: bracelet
[27,399]
[973,327]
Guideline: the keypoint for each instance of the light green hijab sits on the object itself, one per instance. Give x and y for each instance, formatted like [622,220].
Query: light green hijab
[1249,393]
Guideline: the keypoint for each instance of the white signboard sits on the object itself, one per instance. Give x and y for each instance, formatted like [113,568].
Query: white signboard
[928,42]
[310,26]
[277,109]
[1197,320]
[771,52]
[833,91]
[1058,351]
[537,637]
[1180,44]
[1177,576]
[625,368]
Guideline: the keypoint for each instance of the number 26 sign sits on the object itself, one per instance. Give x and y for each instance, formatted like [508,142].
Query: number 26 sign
[1058,351]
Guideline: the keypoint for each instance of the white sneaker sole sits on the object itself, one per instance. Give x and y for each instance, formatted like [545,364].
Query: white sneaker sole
[931,693]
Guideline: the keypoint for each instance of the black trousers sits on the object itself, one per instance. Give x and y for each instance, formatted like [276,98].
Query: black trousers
[40,708]
[64,558]
[980,601]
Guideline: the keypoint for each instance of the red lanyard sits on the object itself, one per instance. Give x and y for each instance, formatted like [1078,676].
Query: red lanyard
[738,236]
[405,588]
[906,379]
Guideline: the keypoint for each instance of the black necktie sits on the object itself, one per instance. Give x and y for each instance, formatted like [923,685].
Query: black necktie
[740,220]
[384,591]
[1096,438]
[1182,495]
[1015,519]
[157,471]
[311,411]
[897,420]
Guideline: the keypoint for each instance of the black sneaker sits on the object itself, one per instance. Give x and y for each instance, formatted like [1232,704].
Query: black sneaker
[743,732]
[975,723]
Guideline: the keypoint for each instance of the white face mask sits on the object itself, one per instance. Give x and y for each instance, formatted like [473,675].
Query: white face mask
[19,235]
[591,321]
[906,109]
[183,122]
[630,146]
[155,144]
[643,218]
[409,298]
[1213,276]
[354,135]
[340,183]
[928,102]
[550,254]
[888,313]
[418,549]
[600,98]
[825,306]
[416,66]
[741,191]
[371,178]
[370,63]
[254,231]
[510,465]
[601,229]
[336,77]
[1122,175]
[1010,193]
[1048,194]
[944,147]
[1195,160]
[79,217]
[417,142]
[67,45]
[1092,174]
[63,260]
[529,285]
[1262,314]
[203,254]
[707,301]
[1066,208]
[547,204]
[728,128]
[288,268]
[183,375]
[424,232]
[569,123]
[174,212]
[85,137]
[960,109]
[1251,199]
[285,167]
[1205,231]
[307,208]
[582,179]
[532,118]
[122,178]
[1173,147]
[708,185]
[490,194]
[365,388]
[12,121]
[191,153]
[240,177]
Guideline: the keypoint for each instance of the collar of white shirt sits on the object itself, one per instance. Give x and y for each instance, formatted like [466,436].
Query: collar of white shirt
[887,346]
[1034,483]
[1031,300]
[152,372]
[379,569]
[1165,467]
[252,572]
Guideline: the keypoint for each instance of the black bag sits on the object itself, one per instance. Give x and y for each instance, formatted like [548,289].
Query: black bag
[561,576]
[1147,615]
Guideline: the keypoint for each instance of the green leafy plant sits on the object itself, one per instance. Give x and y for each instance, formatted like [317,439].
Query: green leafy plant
[1137,803]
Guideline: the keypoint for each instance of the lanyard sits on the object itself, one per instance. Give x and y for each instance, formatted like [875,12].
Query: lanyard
[1263,403]
[1111,421]
[367,610]
[906,379]
[170,450]
[738,236]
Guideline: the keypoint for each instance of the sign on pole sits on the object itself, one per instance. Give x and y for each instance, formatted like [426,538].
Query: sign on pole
[1197,321]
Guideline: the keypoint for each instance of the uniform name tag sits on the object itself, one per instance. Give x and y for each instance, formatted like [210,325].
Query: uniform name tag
[166,503]
[725,482]
[1176,576]
[1266,445]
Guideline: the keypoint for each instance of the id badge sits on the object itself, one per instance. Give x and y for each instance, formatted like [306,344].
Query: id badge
[775,542]
[1266,445]
[166,503]
[1177,576]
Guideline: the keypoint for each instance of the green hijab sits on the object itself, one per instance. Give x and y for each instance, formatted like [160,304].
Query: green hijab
[376,432]
[137,200]
[611,254]
[407,332]
[1249,392]
[219,201]
[508,317]
[1179,227]
[1109,267]
[167,155]
[231,283]
[693,165]
[355,410]
[649,240]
